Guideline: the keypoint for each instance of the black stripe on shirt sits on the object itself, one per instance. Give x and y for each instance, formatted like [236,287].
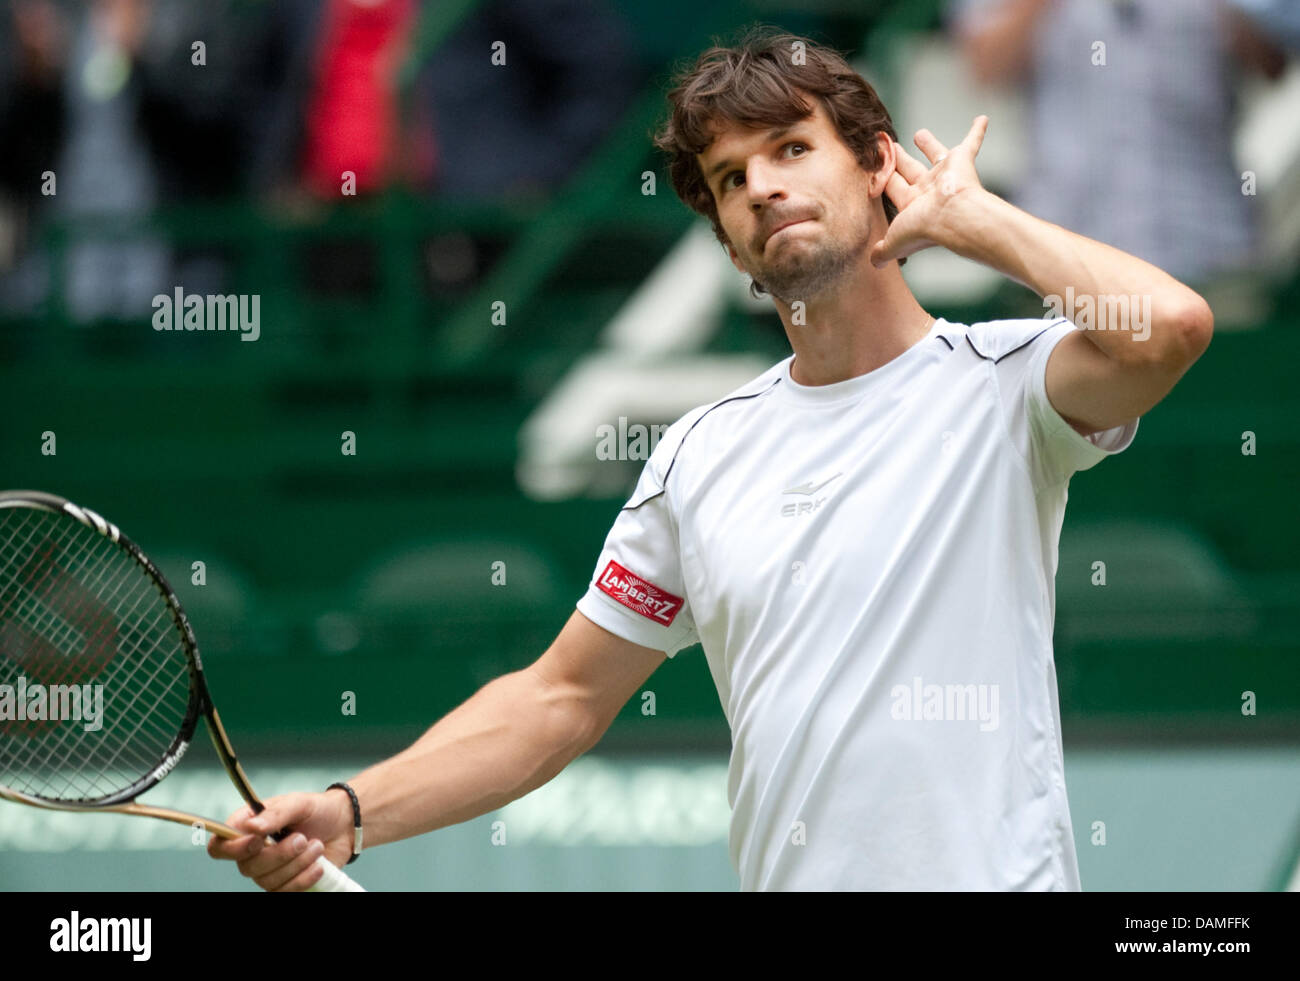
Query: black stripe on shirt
[734,398]
[1020,347]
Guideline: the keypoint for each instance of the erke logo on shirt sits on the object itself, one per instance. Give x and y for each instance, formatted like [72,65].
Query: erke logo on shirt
[638,595]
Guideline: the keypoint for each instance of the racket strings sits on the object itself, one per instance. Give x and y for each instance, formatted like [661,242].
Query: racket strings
[77,609]
[134,758]
[103,626]
[126,715]
[67,671]
[127,573]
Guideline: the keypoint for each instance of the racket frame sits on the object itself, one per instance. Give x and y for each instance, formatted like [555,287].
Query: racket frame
[200,702]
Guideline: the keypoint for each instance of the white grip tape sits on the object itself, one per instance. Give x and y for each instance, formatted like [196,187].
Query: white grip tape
[333,879]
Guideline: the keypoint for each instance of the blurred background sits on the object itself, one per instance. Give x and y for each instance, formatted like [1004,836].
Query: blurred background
[476,298]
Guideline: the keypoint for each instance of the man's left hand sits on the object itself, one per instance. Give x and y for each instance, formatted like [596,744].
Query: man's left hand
[926,197]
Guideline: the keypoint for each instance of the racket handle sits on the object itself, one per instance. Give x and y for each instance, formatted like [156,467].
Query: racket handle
[333,879]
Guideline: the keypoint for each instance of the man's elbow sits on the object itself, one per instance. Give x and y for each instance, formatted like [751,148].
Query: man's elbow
[1193,327]
[1177,337]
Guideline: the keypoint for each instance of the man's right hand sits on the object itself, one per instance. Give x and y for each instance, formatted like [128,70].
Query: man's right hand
[320,824]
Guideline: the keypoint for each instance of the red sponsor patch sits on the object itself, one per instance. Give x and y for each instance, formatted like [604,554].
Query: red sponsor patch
[638,595]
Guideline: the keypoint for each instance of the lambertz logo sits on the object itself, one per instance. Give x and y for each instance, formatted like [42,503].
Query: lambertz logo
[638,595]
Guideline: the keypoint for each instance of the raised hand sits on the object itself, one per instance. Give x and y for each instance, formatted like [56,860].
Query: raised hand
[926,197]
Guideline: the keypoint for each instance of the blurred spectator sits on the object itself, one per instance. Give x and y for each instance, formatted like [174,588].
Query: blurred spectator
[460,125]
[520,130]
[353,122]
[1133,114]
[464,127]
[526,126]
[33,43]
[32,50]
[105,167]
[143,106]
[135,104]
[1277,20]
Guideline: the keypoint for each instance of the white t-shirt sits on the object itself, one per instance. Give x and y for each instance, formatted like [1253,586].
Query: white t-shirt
[870,566]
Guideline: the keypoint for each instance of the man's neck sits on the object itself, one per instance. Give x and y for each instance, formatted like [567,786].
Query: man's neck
[870,320]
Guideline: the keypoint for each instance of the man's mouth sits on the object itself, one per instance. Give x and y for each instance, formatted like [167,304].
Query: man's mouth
[783,227]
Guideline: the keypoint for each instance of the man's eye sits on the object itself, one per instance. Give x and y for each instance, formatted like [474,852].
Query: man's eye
[732,180]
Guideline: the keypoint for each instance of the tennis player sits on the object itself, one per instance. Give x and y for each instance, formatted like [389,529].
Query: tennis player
[863,539]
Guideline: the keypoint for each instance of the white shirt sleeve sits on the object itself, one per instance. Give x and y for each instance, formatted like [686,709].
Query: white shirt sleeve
[638,591]
[1053,449]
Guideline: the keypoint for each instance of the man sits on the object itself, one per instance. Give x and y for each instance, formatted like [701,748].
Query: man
[863,538]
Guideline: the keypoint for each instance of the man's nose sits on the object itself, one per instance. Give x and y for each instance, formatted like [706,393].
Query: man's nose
[764,185]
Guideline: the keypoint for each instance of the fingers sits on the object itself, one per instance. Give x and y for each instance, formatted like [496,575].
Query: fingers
[908,166]
[893,247]
[935,151]
[280,866]
[878,257]
[305,879]
[236,849]
[882,253]
[280,813]
[975,138]
[899,190]
[286,866]
[928,144]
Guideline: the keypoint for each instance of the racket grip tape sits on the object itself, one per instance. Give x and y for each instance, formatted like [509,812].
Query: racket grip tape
[333,879]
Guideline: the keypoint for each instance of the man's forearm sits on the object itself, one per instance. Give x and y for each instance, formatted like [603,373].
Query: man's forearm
[511,737]
[1132,310]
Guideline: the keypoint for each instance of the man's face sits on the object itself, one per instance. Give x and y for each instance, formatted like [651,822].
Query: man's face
[794,203]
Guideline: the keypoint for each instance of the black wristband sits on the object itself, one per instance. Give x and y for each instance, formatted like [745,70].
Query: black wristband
[356,819]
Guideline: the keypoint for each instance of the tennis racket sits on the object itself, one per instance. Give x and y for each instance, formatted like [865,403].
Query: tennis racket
[101,685]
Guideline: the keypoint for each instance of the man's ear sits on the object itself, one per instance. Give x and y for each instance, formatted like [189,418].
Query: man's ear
[888,164]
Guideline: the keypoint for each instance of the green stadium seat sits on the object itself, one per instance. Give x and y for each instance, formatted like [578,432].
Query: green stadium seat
[1162,582]
[494,602]
[223,610]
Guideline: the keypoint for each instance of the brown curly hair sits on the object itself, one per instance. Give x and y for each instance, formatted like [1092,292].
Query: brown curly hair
[759,82]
